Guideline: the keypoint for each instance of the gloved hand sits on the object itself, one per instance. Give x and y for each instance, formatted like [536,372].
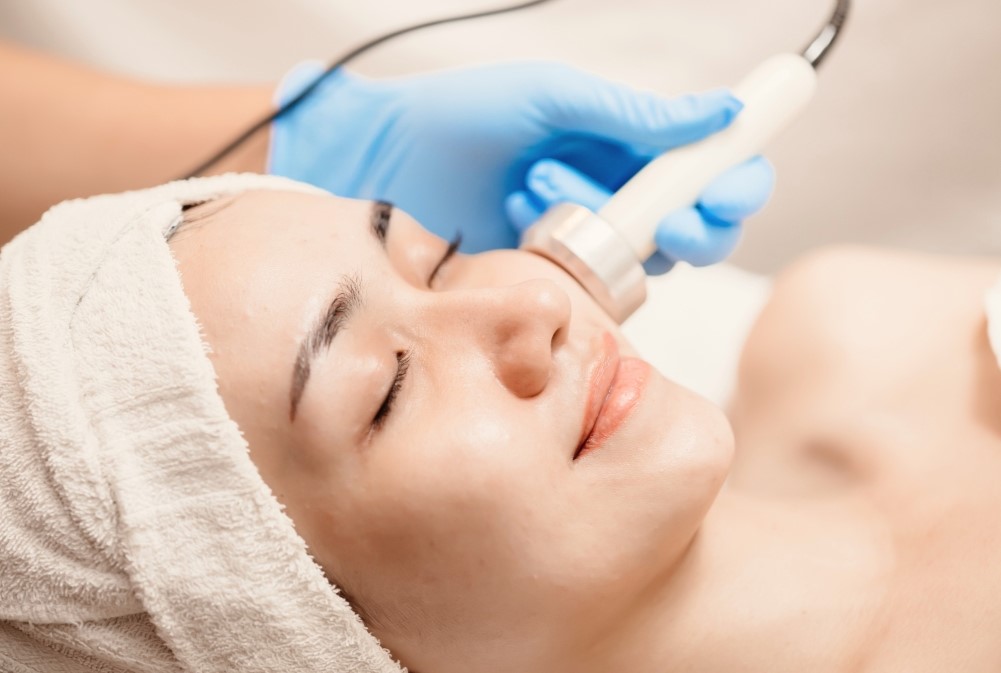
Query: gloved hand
[701,235]
[487,149]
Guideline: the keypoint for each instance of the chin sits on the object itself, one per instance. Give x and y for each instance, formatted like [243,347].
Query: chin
[689,440]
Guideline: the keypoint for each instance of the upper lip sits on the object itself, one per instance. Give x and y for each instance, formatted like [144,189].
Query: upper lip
[600,374]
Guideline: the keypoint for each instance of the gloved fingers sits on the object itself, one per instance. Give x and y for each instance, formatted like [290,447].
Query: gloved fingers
[547,183]
[690,234]
[739,192]
[658,264]
[522,210]
[553,182]
[695,237]
[592,105]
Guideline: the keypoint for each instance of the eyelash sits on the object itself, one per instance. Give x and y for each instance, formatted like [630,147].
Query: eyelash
[402,365]
[453,247]
[403,357]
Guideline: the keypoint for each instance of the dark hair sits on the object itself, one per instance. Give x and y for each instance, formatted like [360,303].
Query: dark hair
[192,213]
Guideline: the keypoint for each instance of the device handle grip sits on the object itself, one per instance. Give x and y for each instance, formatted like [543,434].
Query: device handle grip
[773,95]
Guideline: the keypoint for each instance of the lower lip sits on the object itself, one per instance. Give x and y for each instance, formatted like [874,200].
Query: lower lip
[623,396]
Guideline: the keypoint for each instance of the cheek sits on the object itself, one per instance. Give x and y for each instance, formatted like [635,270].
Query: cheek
[446,517]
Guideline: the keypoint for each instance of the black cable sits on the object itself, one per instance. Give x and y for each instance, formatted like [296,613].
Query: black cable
[350,56]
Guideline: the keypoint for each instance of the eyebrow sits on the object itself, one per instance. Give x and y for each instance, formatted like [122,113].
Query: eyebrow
[347,299]
[378,220]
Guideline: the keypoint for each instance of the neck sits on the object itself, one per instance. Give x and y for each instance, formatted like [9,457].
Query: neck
[764,586]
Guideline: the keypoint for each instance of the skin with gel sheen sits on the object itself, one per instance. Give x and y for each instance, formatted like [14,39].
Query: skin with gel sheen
[430,460]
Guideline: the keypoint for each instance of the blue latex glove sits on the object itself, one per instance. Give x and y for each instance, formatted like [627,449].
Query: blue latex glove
[701,235]
[486,149]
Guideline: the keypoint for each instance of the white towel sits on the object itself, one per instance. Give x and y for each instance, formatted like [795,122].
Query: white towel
[136,533]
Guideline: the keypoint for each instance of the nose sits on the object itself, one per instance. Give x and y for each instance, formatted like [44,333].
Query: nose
[519,328]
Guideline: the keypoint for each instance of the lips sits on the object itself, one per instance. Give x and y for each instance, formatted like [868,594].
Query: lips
[600,378]
[616,387]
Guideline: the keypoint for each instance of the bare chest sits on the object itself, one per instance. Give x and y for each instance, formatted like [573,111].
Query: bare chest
[875,361]
[873,373]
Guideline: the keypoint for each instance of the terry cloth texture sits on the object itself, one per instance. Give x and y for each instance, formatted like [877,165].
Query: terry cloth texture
[993,304]
[135,532]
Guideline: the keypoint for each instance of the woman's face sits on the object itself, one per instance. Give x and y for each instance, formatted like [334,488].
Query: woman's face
[457,518]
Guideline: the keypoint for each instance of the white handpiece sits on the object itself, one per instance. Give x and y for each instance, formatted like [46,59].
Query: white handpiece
[773,95]
[604,252]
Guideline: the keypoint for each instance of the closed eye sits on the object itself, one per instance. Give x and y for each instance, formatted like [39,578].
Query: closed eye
[452,248]
[402,365]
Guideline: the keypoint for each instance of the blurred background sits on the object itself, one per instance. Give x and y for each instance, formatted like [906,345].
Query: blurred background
[901,147]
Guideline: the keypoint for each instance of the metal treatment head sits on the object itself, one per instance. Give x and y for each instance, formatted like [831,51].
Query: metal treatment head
[594,253]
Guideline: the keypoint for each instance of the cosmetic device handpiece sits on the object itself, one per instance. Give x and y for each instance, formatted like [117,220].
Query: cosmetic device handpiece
[604,251]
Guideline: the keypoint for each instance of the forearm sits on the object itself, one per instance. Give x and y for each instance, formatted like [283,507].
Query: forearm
[68,131]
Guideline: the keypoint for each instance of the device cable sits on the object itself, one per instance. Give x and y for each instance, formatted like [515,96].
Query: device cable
[818,49]
[350,56]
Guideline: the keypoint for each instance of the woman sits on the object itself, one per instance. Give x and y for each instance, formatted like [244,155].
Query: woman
[472,453]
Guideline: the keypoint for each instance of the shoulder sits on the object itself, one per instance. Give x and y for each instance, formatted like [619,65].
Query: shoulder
[856,302]
[802,328]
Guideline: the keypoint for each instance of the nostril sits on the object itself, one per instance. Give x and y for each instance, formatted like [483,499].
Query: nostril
[560,337]
[525,373]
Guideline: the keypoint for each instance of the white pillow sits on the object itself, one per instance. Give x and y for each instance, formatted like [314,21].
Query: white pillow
[694,323]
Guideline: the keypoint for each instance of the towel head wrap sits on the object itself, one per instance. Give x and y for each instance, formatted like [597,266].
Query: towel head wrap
[136,533]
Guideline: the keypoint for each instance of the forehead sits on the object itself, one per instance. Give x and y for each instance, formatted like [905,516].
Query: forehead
[259,266]
[265,247]
[265,223]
